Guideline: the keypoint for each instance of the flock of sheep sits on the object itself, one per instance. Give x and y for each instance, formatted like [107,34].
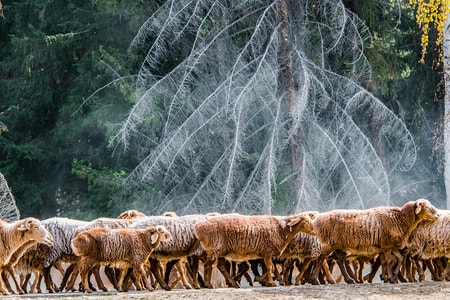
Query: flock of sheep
[135,249]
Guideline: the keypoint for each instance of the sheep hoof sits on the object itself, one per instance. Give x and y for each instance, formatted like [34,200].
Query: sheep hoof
[350,281]
[271,284]
[315,282]
[197,286]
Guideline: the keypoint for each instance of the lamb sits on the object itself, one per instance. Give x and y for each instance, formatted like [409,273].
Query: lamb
[240,238]
[122,248]
[123,221]
[14,235]
[379,230]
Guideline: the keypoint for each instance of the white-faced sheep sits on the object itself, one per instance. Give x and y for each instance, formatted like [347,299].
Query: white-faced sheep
[14,235]
[240,238]
[379,230]
[121,248]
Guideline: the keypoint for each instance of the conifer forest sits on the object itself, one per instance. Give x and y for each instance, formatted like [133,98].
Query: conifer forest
[256,107]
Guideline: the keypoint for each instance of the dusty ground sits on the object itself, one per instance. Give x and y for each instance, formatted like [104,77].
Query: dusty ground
[424,290]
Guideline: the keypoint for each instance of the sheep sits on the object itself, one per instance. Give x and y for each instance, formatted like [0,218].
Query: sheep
[41,259]
[380,230]
[429,241]
[14,235]
[122,248]
[123,220]
[304,247]
[240,238]
[183,244]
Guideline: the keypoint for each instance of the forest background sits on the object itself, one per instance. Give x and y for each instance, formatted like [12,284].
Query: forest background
[73,74]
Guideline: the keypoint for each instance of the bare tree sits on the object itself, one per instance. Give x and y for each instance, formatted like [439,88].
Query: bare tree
[261,109]
[8,209]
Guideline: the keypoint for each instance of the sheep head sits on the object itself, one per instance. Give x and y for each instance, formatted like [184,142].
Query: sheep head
[160,234]
[301,222]
[424,210]
[34,230]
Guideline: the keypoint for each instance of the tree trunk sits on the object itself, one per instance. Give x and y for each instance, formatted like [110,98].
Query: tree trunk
[446,49]
[289,93]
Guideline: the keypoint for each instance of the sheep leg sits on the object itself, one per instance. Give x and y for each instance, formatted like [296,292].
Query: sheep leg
[169,266]
[388,261]
[269,266]
[439,269]
[340,259]
[98,279]
[222,266]
[6,281]
[156,268]
[326,250]
[84,266]
[36,286]
[301,270]
[24,281]
[373,270]
[120,281]
[328,275]
[396,270]
[127,281]
[192,267]
[48,279]
[420,270]
[286,274]
[2,284]
[110,274]
[182,274]
[65,279]
[409,269]
[14,278]
[276,273]
[73,270]
[140,273]
[210,260]
[243,268]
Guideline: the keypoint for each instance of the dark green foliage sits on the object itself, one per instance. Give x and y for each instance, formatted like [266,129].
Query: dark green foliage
[66,82]
[53,55]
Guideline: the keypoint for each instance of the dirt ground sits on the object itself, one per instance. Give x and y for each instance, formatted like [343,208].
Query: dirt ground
[424,290]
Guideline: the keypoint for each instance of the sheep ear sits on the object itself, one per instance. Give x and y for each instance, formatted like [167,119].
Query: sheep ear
[154,237]
[419,205]
[293,221]
[22,227]
[29,223]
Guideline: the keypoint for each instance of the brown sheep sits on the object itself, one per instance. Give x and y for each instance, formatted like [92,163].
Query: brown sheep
[240,238]
[14,235]
[380,230]
[122,221]
[429,241]
[121,248]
